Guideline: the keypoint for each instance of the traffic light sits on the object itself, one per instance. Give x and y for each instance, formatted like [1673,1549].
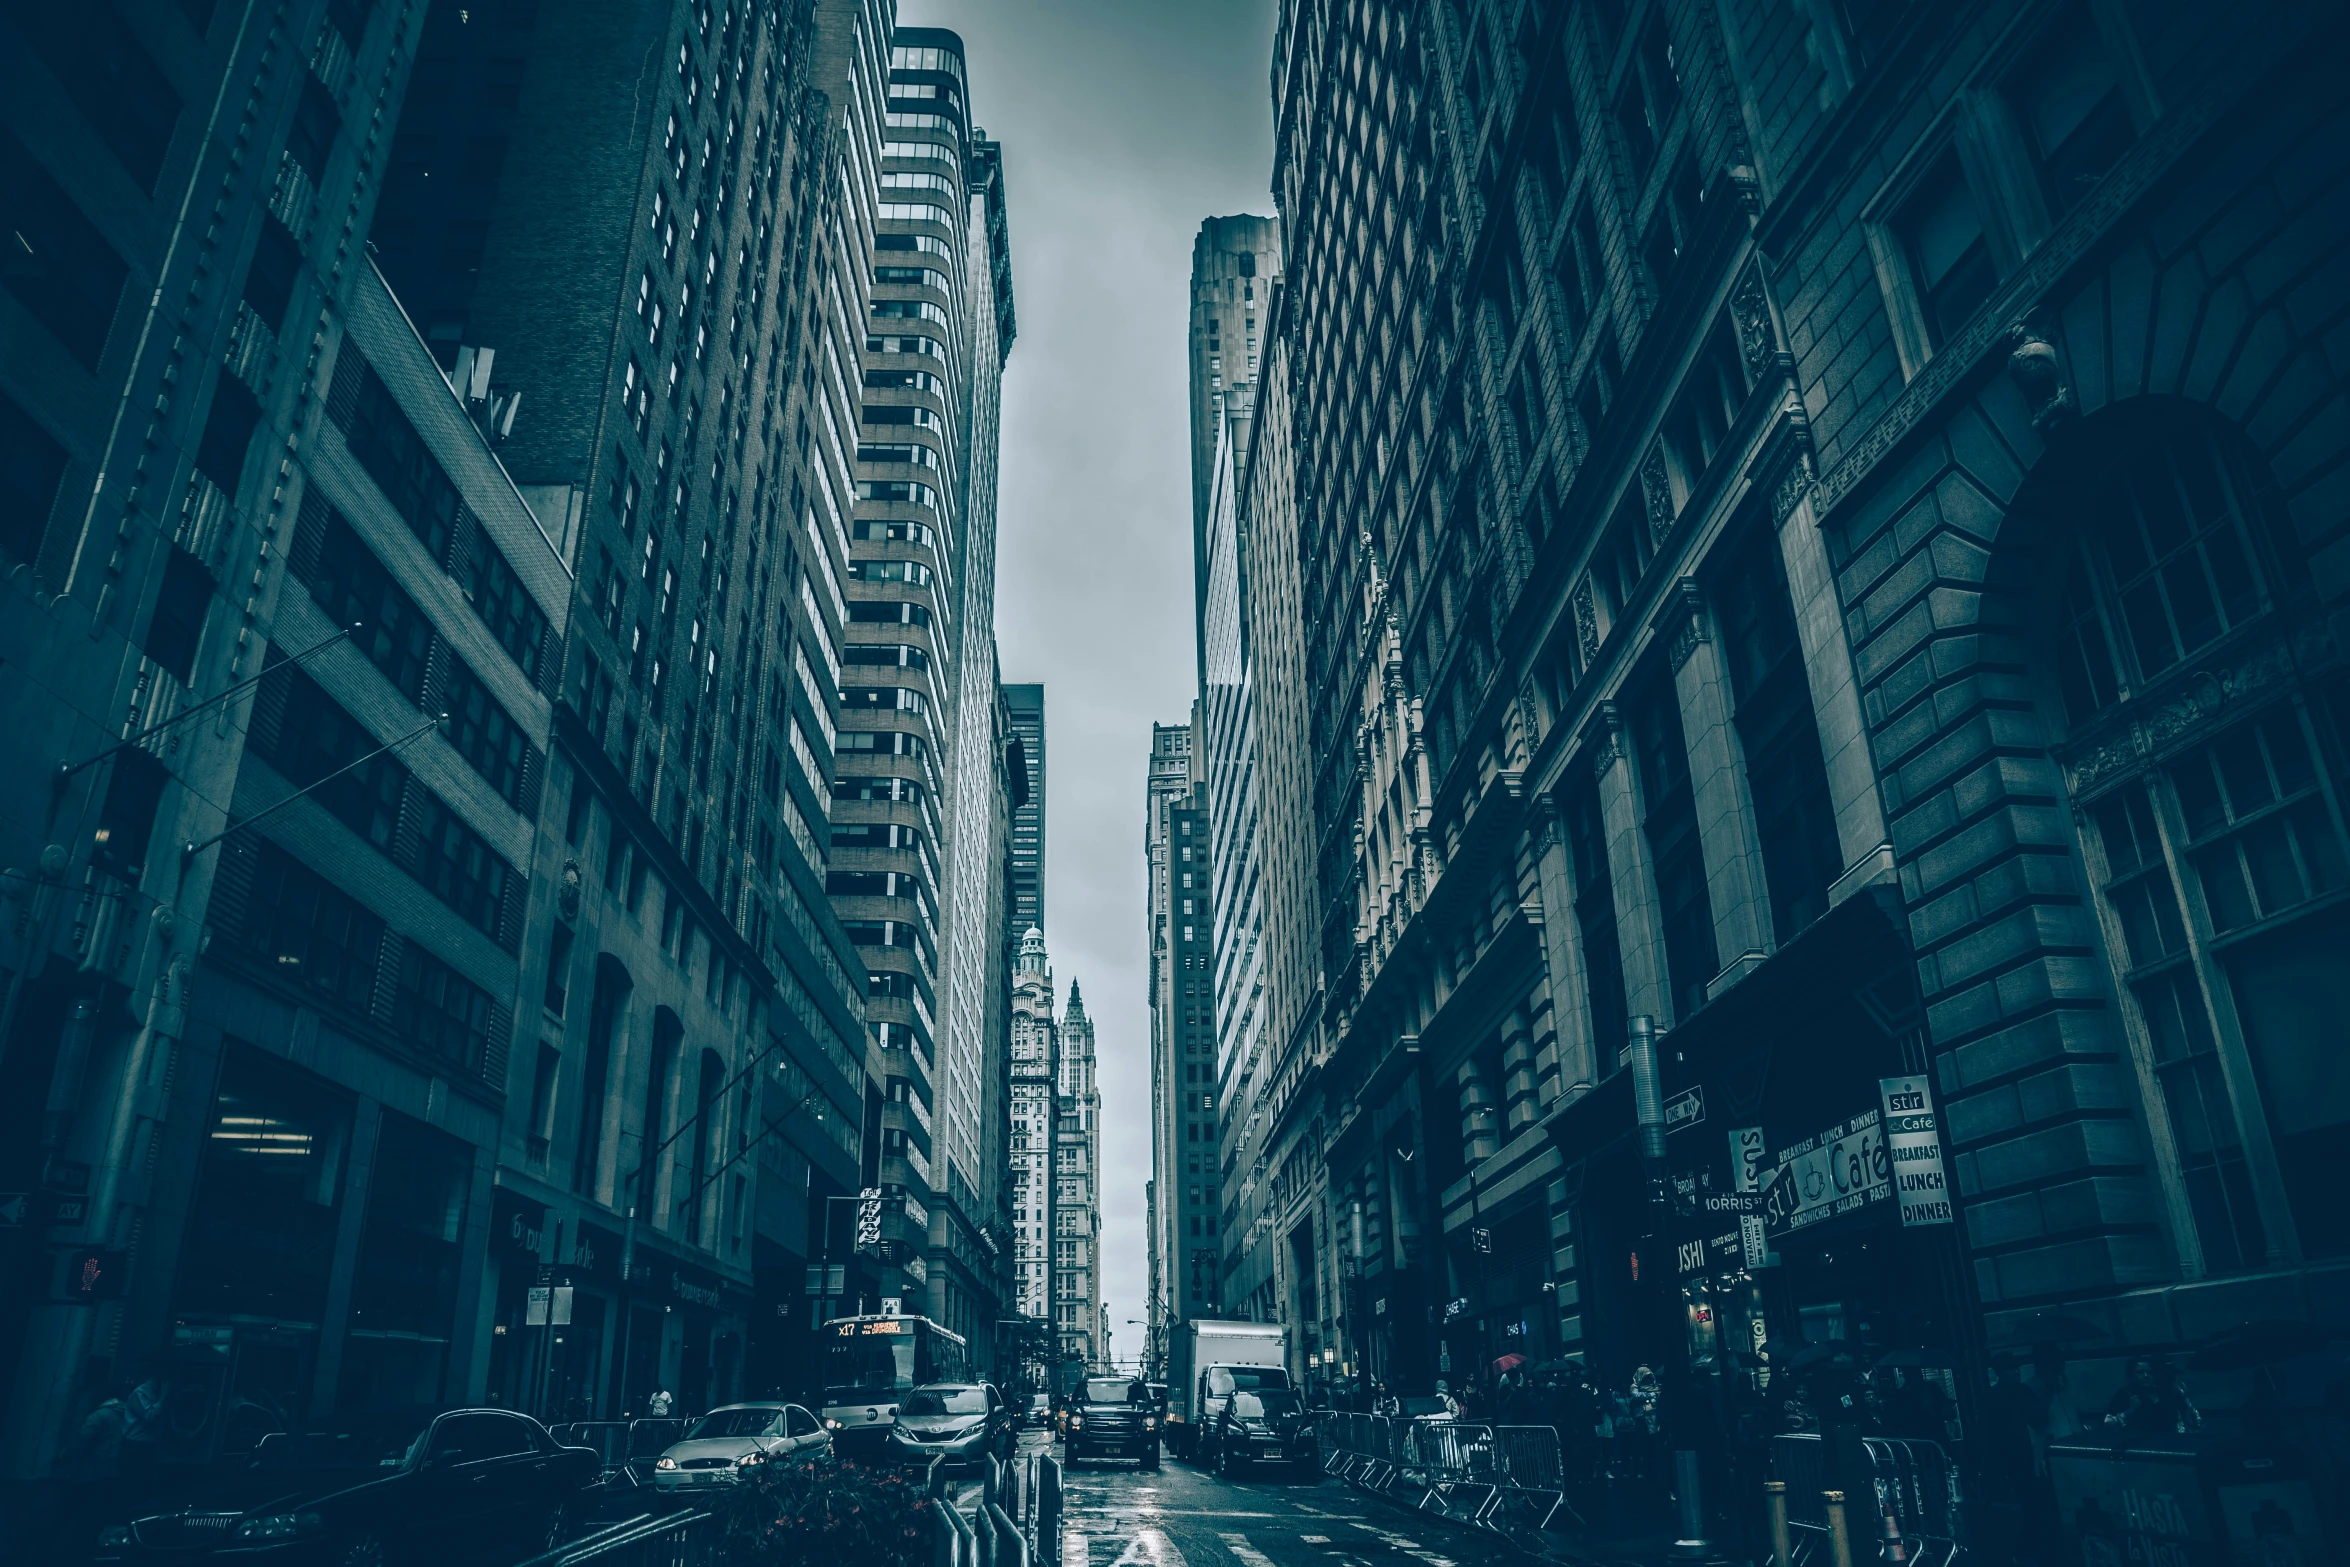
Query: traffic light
[94,1273]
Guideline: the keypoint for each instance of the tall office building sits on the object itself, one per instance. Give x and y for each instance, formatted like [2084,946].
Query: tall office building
[1289,1207]
[919,751]
[1185,1164]
[648,287]
[1027,708]
[1035,1087]
[187,946]
[1233,263]
[1077,1195]
[1750,537]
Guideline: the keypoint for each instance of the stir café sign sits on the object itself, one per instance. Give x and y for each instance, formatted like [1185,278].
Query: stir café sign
[1892,1153]
[1913,1141]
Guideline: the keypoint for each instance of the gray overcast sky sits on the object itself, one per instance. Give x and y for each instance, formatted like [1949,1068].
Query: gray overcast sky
[1124,123]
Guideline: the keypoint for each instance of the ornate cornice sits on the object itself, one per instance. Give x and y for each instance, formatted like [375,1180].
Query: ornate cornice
[1686,613]
[2146,164]
[2189,708]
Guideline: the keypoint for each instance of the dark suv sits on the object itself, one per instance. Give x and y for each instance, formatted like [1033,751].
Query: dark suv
[1269,1423]
[1111,1417]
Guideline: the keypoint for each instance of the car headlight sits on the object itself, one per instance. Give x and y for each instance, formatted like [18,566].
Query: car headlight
[665,1462]
[1075,1421]
[280,1526]
[1150,1422]
[831,1424]
[114,1534]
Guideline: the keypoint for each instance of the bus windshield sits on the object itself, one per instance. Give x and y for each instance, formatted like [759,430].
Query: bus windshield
[868,1368]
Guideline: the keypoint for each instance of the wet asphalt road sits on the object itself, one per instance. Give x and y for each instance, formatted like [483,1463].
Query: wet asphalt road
[1115,1515]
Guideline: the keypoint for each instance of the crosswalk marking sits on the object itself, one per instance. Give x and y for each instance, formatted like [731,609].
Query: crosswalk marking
[1313,1539]
[1238,1545]
[1150,1548]
[1408,1547]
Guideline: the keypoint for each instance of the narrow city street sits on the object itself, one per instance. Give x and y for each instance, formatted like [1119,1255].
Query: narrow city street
[1116,1515]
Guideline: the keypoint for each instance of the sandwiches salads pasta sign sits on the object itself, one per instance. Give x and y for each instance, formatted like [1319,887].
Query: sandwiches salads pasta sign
[1827,1174]
[1890,1153]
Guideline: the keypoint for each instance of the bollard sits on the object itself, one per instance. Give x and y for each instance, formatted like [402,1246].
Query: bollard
[1840,1542]
[1048,1511]
[1775,1503]
[1894,1552]
[1691,1546]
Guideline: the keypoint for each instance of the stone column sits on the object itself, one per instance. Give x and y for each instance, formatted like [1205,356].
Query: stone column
[1480,1121]
[1519,1107]
[1734,877]
[1562,952]
[1827,663]
[1639,925]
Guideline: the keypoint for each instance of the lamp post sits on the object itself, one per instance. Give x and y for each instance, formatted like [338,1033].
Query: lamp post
[1678,1418]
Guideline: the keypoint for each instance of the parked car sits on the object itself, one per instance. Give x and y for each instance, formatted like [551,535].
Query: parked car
[1040,1411]
[388,1485]
[1111,1417]
[1268,1425]
[963,1421]
[734,1439]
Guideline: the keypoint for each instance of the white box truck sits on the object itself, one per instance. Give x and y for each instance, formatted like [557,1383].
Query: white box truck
[1203,1346]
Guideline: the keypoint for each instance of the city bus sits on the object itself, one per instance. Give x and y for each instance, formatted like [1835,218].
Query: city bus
[871,1363]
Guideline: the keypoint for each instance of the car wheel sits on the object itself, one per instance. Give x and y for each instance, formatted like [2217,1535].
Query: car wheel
[1150,1460]
[365,1551]
[558,1527]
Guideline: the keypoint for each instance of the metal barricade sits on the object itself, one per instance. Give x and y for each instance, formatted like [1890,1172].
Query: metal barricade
[693,1539]
[1912,1480]
[1048,1510]
[953,1542]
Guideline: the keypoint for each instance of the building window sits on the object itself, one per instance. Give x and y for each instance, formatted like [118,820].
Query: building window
[1949,255]
[60,268]
[2221,859]
[440,1011]
[2072,109]
[1669,820]
[310,933]
[1786,774]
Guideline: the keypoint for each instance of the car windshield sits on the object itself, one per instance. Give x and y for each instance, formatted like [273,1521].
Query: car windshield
[382,1440]
[1266,1401]
[1106,1390]
[945,1401]
[720,1424]
[1229,1379]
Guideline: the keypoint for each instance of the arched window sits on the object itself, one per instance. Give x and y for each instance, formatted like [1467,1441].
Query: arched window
[2206,754]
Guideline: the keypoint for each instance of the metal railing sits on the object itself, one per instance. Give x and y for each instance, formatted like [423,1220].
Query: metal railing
[1913,1483]
[1502,1477]
[690,1539]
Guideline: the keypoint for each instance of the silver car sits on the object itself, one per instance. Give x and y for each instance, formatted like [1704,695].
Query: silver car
[730,1443]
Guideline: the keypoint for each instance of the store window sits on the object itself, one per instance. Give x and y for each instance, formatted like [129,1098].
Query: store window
[2219,849]
[404,1285]
[260,1242]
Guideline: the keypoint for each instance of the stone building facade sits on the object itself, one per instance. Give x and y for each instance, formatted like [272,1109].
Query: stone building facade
[1819,547]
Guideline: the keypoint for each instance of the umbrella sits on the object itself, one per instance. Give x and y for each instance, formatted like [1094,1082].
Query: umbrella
[1509,1362]
[1813,1354]
[1915,1357]
[2260,1344]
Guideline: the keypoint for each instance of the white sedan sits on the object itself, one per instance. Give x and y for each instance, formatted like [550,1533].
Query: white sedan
[730,1443]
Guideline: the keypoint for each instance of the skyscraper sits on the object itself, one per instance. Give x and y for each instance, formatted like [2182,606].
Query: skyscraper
[1035,1080]
[920,756]
[658,277]
[192,938]
[1026,703]
[1185,1166]
[1077,1194]
[1233,263]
